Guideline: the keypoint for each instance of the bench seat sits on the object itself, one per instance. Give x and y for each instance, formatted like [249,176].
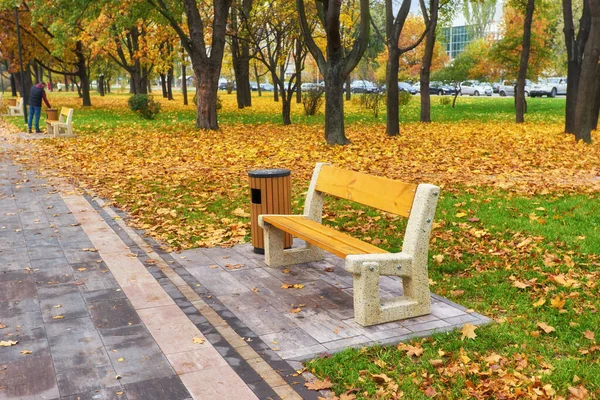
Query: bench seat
[321,236]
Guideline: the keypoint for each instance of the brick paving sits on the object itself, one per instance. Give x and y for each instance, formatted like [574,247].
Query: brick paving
[100,312]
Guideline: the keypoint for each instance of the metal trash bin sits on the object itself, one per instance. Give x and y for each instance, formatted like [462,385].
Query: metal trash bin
[51,114]
[271,193]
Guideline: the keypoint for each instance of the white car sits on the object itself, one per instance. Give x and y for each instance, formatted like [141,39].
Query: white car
[474,88]
[507,88]
[549,87]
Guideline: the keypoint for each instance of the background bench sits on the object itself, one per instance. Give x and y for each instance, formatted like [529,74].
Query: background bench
[17,109]
[64,123]
[365,261]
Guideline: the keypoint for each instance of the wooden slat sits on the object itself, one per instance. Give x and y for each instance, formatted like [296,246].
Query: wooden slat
[322,236]
[382,193]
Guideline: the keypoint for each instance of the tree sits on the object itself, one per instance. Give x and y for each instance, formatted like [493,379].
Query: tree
[588,96]
[393,29]
[479,15]
[206,60]
[240,51]
[520,90]
[339,62]
[431,20]
[575,45]
[275,33]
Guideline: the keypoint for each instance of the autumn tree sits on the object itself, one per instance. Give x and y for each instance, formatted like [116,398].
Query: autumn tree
[588,95]
[275,33]
[339,62]
[240,50]
[203,38]
[394,26]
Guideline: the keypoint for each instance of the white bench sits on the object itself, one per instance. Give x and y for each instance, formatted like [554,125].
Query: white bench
[64,123]
[365,261]
[17,109]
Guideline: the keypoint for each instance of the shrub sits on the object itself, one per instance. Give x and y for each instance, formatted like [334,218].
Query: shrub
[372,102]
[219,101]
[144,105]
[404,98]
[445,100]
[312,99]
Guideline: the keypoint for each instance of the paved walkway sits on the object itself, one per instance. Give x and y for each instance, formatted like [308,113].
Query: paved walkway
[99,312]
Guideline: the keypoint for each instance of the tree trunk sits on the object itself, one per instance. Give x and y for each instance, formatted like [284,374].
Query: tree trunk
[575,46]
[163,84]
[101,85]
[586,113]
[392,127]
[184,84]
[427,60]
[257,77]
[286,109]
[275,91]
[66,79]
[348,91]
[521,102]
[207,85]
[108,85]
[82,73]
[240,57]
[13,85]
[26,85]
[334,107]
[50,80]
[298,60]
[170,83]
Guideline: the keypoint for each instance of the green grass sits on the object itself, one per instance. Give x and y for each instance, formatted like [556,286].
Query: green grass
[563,225]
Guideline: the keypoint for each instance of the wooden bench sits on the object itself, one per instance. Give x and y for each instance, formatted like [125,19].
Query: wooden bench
[17,109]
[64,123]
[365,261]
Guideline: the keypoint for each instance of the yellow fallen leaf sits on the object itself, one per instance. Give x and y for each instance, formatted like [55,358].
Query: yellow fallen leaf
[58,317]
[589,335]
[558,302]
[319,385]
[468,331]
[26,352]
[540,302]
[121,359]
[8,343]
[239,212]
[198,340]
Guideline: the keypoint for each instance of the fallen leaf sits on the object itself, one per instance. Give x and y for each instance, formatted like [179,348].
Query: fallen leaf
[198,340]
[381,378]
[468,331]
[414,351]
[540,302]
[295,310]
[239,212]
[58,317]
[545,327]
[558,302]
[520,285]
[121,359]
[2,326]
[234,266]
[430,392]
[7,343]
[285,271]
[255,290]
[438,258]
[26,352]
[579,393]
[319,385]
[589,335]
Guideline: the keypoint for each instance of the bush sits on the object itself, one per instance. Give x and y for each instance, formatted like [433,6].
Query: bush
[144,105]
[312,99]
[404,98]
[372,102]
[445,100]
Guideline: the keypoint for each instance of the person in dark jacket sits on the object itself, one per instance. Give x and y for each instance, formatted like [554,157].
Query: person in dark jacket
[36,95]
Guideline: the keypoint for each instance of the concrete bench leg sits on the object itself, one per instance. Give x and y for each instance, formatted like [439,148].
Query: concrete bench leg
[276,256]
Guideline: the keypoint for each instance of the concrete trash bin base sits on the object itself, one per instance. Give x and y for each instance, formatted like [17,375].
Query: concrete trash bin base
[270,193]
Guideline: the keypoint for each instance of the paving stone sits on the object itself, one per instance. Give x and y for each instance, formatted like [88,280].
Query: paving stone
[9,240]
[68,326]
[322,326]
[432,326]
[42,241]
[77,256]
[110,314]
[79,350]
[217,281]
[103,295]
[13,259]
[462,319]
[38,348]
[93,276]
[61,300]
[158,389]
[62,273]
[85,380]
[217,383]
[113,393]
[296,340]
[443,310]
[45,252]
[29,378]
[17,290]
[23,320]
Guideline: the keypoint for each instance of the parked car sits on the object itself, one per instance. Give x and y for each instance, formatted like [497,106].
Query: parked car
[496,86]
[362,86]
[267,87]
[441,88]
[407,87]
[475,88]
[549,87]
[417,86]
[508,88]
[311,86]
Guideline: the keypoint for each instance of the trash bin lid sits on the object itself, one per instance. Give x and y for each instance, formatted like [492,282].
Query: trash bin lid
[269,173]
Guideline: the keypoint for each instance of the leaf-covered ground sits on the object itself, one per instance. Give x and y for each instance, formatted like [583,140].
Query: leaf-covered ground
[517,234]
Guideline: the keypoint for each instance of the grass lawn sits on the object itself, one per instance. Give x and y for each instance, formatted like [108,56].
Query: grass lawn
[516,236]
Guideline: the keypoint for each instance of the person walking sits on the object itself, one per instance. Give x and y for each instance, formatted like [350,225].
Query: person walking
[36,95]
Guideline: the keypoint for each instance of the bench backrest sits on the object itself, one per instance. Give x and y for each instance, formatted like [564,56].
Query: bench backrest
[66,115]
[382,193]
